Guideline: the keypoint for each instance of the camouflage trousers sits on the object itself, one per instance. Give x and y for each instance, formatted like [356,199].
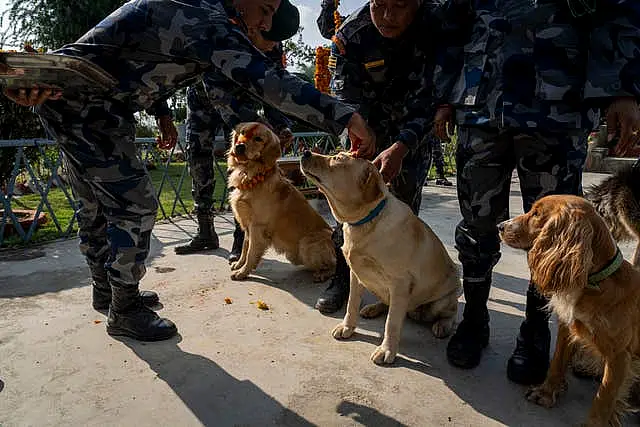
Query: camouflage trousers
[437,155]
[116,203]
[546,163]
[203,124]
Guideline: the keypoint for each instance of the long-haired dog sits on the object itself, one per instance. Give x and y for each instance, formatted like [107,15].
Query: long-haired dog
[390,251]
[574,260]
[270,210]
[617,200]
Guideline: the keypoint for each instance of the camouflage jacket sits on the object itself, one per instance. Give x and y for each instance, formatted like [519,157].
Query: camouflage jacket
[236,105]
[233,103]
[389,79]
[536,64]
[326,22]
[154,47]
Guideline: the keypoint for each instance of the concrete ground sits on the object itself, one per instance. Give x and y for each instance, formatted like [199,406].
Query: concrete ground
[237,365]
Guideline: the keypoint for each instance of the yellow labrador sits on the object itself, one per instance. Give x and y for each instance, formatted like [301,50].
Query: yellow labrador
[391,252]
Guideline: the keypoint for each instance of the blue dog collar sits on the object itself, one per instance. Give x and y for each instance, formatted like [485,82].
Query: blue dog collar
[372,215]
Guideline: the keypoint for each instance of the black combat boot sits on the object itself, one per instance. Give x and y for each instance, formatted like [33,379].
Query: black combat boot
[334,297]
[129,317]
[238,241]
[102,297]
[472,335]
[206,239]
[442,180]
[530,360]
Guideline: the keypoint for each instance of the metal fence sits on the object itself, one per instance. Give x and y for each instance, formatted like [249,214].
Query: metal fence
[38,177]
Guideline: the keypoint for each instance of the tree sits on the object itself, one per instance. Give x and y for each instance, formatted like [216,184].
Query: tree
[299,53]
[50,24]
[44,24]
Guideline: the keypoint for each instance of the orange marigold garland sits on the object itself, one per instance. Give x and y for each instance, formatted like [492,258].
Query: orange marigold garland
[322,74]
[337,19]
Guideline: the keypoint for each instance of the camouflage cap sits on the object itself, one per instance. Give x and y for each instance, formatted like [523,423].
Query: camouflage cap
[285,23]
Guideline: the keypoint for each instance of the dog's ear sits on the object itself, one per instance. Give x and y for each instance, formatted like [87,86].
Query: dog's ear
[271,151]
[370,184]
[231,160]
[561,256]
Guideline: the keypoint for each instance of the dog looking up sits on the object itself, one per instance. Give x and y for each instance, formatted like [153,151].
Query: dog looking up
[390,251]
[574,260]
[270,210]
[617,200]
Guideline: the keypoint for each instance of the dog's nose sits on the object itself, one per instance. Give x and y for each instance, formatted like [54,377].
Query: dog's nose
[501,226]
[306,154]
[240,149]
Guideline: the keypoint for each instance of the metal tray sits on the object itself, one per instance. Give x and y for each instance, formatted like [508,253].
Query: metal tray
[55,71]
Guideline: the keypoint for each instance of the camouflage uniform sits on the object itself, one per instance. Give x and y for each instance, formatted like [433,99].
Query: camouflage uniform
[437,160]
[392,96]
[531,84]
[202,125]
[152,48]
[388,80]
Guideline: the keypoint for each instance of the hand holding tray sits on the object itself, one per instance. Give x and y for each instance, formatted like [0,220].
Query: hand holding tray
[66,73]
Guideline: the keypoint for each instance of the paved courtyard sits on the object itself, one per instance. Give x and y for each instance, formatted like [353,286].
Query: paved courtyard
[236,365]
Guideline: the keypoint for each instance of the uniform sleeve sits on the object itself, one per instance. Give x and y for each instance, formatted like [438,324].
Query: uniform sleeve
[418,112]
[276,119]
[233,55]
[159,108]
[325,21]
[454,25]
[613,67]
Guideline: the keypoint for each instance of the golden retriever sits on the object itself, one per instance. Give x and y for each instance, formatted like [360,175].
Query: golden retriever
[270,210]
[390,251]
[575,261]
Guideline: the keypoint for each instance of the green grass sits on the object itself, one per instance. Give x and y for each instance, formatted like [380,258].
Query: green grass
[64,212]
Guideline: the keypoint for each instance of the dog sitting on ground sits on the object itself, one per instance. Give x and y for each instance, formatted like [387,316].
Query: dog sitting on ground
[574,260]
[270,210]
[617,200]
[390,251]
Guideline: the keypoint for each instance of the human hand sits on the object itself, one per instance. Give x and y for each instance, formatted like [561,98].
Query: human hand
[28,97]
[443,123]
[623,118]
[363,140]
[32,97]
[389,162]
[168,133]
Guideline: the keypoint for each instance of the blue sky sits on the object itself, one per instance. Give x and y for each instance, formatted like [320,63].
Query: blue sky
[309,10]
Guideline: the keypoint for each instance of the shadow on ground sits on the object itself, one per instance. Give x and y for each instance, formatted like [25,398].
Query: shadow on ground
[211,394]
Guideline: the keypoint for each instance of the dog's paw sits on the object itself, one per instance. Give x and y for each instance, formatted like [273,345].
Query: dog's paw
[442,328]
[372,311]
[343,331]
[239,275]
[236,265]
[545,395]
[383,355]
